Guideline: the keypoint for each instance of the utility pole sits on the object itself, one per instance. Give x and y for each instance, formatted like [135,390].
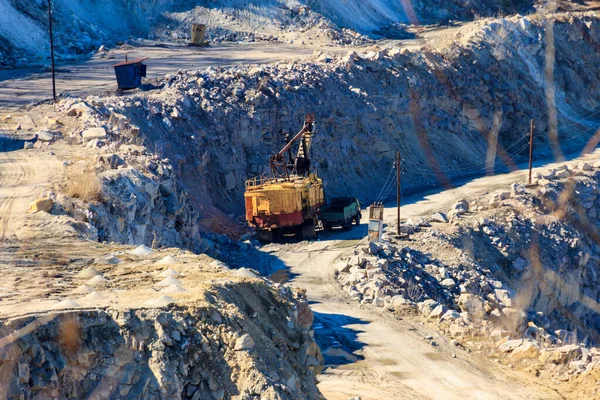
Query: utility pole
[52,50]
[531,127]
[398,187]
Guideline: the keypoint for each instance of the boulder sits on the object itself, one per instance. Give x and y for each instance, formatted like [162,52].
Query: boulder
[439,217]
[517,189]
[510,345]
[448,283]
[450,315]
[460,207]
[45,136]
[93,133]
[529,349]
[471,304]
[244,342]
[437,312]
[43,204]
[562,355]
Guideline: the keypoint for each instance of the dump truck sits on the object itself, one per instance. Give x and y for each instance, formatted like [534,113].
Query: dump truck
[341,212]
[290,200]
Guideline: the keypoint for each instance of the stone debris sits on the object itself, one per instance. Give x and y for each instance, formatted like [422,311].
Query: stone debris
[168,260]
[168,281]
[88,272]
[43,204]
[109,259]
[141,250]
[174,288]
[94,297]
[83,289]
[97,280]
[161,301]
[434,275]
[244,342]
[169,273]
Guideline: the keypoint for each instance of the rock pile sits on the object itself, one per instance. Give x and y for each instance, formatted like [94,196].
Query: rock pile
[251,340]
[518,269]
[218,126]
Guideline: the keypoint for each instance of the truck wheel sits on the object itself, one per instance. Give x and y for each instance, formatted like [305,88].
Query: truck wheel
[328,227]
[310,232]
[300,232]
[265,236]
[347,225]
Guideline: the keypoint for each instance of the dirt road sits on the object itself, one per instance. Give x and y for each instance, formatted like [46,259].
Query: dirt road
[387,358]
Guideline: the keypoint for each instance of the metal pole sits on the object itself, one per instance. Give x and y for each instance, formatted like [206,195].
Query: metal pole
[52,50]
[531,126]
[398,187]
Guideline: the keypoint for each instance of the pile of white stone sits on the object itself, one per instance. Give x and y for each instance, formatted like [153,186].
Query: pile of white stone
[496,292]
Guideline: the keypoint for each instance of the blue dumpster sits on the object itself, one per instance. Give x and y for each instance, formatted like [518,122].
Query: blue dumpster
[130,73]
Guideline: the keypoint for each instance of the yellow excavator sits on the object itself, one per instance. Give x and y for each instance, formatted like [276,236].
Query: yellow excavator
[290,200]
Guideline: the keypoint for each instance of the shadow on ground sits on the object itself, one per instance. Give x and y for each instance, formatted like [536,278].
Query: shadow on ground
[337,336]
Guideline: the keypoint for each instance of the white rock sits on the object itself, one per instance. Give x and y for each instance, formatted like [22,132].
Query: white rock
[141,250]
[439,217]
[169,273]
[162,301]
[244,273]
[448,283]
[168,281]
[510,345]
[168,260]
[244,342]
[83,289]
[87,273]
[173,289]
[45,136]
[98,280]
[94,133]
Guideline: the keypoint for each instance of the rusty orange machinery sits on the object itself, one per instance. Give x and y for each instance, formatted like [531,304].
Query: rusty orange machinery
[283,203]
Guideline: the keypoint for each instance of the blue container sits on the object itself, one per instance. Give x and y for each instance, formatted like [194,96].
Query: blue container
[130,73]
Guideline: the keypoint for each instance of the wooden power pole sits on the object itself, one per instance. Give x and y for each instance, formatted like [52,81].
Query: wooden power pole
[52,50]
[398,187]
[531,127]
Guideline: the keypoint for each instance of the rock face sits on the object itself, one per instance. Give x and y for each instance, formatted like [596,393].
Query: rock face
[157,353]
[231,118]
[226,122]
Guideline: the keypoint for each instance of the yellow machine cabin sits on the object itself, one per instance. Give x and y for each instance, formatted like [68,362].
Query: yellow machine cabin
[290,200]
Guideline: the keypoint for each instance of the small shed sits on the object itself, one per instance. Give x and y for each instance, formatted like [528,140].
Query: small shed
[130,73]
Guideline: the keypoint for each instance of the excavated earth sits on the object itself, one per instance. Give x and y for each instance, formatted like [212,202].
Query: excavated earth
[128,276]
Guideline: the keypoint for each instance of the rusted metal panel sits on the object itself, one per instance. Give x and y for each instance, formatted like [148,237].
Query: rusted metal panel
[279,221]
